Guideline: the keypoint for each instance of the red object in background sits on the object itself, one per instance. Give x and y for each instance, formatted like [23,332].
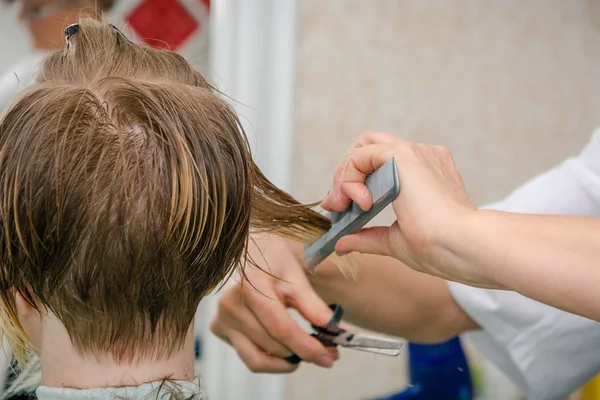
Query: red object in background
[164,23]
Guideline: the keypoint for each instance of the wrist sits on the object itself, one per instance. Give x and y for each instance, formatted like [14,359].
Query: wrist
[462,248]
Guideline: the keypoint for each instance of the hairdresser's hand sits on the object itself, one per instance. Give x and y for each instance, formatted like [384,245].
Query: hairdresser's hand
[253,316]
[431,209]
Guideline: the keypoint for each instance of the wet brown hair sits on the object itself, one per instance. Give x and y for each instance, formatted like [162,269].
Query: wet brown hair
[127,194]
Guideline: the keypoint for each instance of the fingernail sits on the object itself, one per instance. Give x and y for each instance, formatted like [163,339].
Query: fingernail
[325,361]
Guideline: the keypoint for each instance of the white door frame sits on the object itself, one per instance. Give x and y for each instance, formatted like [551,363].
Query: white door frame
[252,60]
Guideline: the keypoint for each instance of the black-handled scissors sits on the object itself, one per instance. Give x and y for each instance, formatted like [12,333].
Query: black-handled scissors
[332,335]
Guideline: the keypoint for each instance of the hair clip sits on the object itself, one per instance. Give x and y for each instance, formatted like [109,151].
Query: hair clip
[73,29]
[118,30]
[70,31]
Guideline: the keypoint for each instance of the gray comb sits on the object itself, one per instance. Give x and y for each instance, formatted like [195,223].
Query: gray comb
[384,186]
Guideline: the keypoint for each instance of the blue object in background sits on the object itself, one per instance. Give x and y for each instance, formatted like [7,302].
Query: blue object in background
[198,347]
[437,372]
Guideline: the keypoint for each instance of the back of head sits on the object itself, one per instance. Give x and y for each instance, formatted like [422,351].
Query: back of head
[127,194]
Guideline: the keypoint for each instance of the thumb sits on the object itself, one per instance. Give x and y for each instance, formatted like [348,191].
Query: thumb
[368,240]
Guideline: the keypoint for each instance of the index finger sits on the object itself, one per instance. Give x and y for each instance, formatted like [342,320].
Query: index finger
[335,199]
[282,327]
[359,164]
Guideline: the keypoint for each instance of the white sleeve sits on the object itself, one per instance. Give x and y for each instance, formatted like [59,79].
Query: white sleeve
[548,353]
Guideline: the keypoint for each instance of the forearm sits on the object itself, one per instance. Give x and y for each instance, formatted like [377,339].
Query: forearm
[552,259]
[386,296]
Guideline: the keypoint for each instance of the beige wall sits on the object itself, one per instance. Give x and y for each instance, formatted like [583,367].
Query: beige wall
[511,86]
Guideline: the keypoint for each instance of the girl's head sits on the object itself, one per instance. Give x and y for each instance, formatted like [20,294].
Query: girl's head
[127,194]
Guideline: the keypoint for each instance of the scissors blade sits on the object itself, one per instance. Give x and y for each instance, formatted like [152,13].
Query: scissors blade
[383,352]
[370,343]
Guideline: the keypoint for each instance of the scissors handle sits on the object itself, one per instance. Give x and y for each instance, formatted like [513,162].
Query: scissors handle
[333,325]
[325,335]
[332,335]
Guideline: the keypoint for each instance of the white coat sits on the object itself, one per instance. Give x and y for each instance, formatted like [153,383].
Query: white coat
[548,353]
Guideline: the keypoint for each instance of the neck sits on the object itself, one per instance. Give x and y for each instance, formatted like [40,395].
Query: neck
[62,366]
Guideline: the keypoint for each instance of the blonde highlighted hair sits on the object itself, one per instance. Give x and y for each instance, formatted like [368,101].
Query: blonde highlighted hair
[127,194]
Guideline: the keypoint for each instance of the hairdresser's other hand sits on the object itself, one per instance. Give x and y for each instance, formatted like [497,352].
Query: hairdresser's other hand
[253,318]
[431,208]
